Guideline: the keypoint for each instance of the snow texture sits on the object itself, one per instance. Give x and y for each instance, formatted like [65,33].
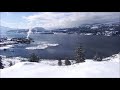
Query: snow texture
[108,68]
[6,47]
[42,46]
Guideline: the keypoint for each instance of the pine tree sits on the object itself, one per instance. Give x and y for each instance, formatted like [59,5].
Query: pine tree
[59,62]
[67,62]
[34,58]
[10,63]
[80,57]
[1,65]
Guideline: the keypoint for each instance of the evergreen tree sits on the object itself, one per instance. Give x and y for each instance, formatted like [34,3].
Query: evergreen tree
[1,65]
[10,63]
[59,62]
[34,58]
[119,55]
[67,62]
[80,57]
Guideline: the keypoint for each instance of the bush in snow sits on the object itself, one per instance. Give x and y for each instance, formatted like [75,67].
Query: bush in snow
[97,58]
[119,55]
[10,63]
[23,60]
[80,57]
[59,62]
[72,62]
[67,62]
[34,58]
[1,65]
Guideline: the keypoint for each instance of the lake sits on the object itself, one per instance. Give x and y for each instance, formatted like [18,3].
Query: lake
[54,46]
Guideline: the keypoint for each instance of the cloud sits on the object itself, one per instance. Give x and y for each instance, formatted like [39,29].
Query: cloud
[9,24]
[69,19]
[12,24]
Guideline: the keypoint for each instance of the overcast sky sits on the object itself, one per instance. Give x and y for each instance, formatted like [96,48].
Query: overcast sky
[50,20]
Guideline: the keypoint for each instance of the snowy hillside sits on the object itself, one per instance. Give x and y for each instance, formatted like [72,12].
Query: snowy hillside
[109,68]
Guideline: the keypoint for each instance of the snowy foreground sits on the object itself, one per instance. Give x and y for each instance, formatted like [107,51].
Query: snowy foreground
[109,68]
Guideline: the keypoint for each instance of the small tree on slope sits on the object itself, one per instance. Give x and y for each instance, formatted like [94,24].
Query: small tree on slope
[80,57]
[97,58]
[1,65]
[34,58]
[67,62]
[10,63]
[59,62]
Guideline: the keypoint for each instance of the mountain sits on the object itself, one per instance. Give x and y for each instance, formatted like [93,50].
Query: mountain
[34,30]
[2,28]
[38,29]
[94,29]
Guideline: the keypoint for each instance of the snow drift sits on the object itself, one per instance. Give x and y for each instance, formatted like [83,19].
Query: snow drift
[109,68]
[6,47]
[42,46]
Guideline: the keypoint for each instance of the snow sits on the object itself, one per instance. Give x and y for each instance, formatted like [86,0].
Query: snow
[94,27]
[42,46]
[109,68]
[88,34]
[7,42]
[6,61]
[6,47]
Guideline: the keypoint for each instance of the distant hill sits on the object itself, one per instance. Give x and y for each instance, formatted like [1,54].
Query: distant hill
[38,29]
[94,29]
[2,28]
[34,30]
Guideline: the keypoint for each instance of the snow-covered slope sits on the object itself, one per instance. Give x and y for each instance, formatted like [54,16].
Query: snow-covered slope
[109,68]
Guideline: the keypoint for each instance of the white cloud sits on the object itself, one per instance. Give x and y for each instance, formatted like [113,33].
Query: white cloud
[69,19]
[8,24]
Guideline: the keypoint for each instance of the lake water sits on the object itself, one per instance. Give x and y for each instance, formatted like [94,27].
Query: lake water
[54,46]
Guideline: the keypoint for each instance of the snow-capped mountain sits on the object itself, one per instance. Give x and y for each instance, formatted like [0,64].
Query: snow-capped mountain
[38,29]
[95,29]
[34,30]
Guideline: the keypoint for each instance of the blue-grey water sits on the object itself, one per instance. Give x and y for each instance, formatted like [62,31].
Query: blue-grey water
[104,45]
